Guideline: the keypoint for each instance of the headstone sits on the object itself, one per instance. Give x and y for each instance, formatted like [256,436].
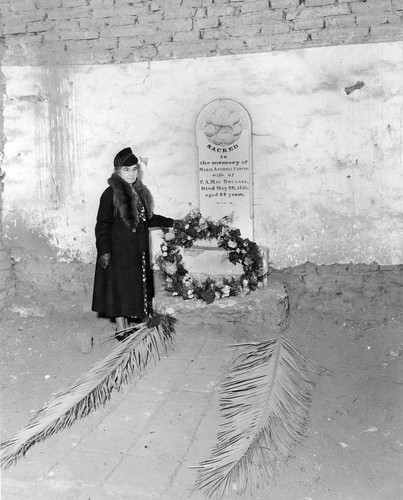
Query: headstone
[206,259]
[224,132]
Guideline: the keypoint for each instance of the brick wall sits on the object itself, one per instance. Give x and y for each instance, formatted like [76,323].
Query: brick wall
[345,293]
[114,31]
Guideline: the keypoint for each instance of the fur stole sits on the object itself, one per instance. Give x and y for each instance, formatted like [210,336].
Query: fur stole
[125,197]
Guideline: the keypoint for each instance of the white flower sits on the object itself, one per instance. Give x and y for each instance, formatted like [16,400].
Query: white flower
[164,248]
[169,236]
[171,268]
[170,310]
[226,291]
[232,244]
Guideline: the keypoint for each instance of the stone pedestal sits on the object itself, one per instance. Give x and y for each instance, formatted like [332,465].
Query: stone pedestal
[264,312]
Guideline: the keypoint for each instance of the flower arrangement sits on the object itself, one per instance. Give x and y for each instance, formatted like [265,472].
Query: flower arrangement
[195,227]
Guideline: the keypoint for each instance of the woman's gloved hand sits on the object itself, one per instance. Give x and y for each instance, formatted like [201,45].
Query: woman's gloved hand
[104,261]
[179,225]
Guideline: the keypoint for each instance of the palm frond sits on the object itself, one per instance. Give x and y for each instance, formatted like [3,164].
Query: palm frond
[143,343]
[264,401]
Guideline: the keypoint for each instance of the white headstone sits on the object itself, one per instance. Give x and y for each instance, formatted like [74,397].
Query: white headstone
[224,132]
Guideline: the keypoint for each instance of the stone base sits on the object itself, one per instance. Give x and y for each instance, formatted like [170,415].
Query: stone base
[265,309]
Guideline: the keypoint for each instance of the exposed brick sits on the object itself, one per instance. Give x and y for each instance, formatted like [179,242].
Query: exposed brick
[276,28]
[145,30]
[386,32]
[68,24]
[340,35]
[317,3]
[377,19]
[231,46]
[27,17]
[339,21]
[72,3]
[154,18]
[22,6]
[243,31]
[200,13]
[118,31]
[14,29]
[186,36]
[78,35]
[176,25]
[371,6]
[144,53]
[248,19]
[209,22]
[76,45]
[158,37]
[258,6]
[264,17]
[119,21]
[23,39]
[130,42]
[309,24]
[96,4]
[48,4]
[196,3]
[327,10]
[133,10]
[76,13]
[107,12]
[220,10]
[137,24]
[179,13]
[202,47]
[89,23]
[51,36]
[283,4]
[214,33]
[265,42]
[104,44]
[40,26]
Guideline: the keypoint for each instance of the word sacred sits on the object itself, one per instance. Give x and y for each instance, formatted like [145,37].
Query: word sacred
[222,150]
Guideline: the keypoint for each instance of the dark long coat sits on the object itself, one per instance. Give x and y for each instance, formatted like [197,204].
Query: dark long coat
[124,216]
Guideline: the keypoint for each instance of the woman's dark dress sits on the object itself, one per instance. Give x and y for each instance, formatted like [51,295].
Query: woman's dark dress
[126,287]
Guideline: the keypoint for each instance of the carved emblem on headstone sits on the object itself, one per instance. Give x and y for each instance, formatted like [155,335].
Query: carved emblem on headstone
[224,132]
[223,127]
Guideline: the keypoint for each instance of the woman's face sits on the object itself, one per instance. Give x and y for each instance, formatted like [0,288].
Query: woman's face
[129,174]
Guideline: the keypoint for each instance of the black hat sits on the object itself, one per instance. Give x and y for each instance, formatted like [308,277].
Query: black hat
[125,158]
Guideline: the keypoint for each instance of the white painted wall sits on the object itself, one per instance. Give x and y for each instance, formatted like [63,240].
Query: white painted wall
[328,176]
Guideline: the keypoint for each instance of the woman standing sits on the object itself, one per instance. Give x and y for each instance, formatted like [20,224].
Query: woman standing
[123,285]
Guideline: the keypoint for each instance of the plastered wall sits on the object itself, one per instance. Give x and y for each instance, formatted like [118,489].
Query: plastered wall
[327,153]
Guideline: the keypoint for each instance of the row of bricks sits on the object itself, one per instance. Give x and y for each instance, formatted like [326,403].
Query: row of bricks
[291,10]
[132,49]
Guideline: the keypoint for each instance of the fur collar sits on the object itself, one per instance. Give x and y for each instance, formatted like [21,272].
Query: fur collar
[125,198]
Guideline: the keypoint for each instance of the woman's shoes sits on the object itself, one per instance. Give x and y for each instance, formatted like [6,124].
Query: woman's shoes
[121,336]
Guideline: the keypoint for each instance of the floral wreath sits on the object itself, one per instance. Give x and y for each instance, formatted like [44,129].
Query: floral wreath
[194,227]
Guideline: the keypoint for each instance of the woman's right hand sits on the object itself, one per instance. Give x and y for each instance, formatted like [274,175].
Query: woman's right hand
[104,261]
